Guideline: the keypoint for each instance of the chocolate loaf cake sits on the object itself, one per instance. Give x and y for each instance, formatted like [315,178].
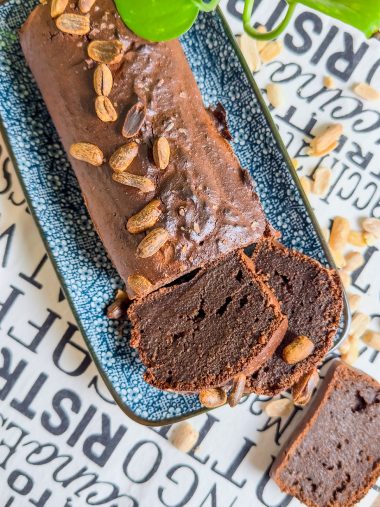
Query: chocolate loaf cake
[333,456]
[202,332]
[311,297]
[176,196]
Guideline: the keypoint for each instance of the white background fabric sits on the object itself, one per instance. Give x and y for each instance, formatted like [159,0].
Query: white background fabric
[63,442]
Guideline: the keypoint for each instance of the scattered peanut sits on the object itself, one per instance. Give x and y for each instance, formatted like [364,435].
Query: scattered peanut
[356,238]
[303,390]
[372,339]
[237,390]
[328,82]
[295,163]
[327,141]
[370,239]
[321,181]
[305,184]
[274,93]
[271,50]
[213,398]
[372,226]
[339,234]
[360,322]
[298,350]
[354,301]
[250,51]
[118,308]
[339,258]
[366,91]
[351,352]
[345,278]
[353,261]
[279,408]
[184,436]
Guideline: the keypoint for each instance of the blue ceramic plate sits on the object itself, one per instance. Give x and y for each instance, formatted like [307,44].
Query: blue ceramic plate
[85,271]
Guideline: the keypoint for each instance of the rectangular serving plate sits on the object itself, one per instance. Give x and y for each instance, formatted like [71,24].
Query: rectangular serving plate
[84,270]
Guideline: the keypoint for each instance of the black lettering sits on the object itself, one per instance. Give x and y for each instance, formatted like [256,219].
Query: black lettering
[343,63]
[12,448]
[365,196]
[6,374]
[8,235]
[260,490]
[105,443]
[32,278]
[61,348]
[84,422]
[229,473]
[172,476]
[64,421]
[302,27]
[149,469]
[203,432]
[9,302]
[41,502]
[20,482]
[41,331]
[24,406]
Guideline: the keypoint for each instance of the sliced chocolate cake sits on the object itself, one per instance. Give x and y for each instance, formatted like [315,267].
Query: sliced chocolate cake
[312,299]
[202,332]
[333,456]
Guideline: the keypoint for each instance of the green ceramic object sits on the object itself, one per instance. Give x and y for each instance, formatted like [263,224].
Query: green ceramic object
[160,20]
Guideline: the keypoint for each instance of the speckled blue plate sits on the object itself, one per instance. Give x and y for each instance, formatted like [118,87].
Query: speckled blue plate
[83,267]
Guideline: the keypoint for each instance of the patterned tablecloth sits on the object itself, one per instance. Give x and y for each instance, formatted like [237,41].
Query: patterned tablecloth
[63,442]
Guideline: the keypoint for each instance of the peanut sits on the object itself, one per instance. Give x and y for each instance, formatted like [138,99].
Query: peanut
[73,24]
[322,181]
[339,234]
[372,226]
[303,390]
[144,184]
[274,93]
[106,51]
[237,390]
[366,91]
[139,284]
[87,152]
[279,408]
[298,350]
[161,152]
[103,80]
[372,339]
[146,218]
[360,322]
[353,261]
[354,301]
[58,7]
[152,243]
[123,157]
[356,238]
[248,47]
[213,398]
[327,141]
[184,436]
[105,109]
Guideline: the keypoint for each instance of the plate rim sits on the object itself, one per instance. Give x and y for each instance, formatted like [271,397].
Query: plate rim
[280,146]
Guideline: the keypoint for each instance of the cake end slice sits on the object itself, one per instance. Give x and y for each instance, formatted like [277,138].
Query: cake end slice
[202,332]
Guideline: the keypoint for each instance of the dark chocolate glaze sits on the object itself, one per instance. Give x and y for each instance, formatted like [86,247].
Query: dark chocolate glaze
[311,297]
[332,457]
[202,332]
[222,211]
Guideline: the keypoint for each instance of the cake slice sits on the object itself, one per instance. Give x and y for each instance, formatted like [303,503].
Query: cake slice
[333,457]
[311,297]
[202,332]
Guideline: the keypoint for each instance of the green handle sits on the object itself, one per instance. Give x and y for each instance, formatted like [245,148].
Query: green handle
[247,14]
